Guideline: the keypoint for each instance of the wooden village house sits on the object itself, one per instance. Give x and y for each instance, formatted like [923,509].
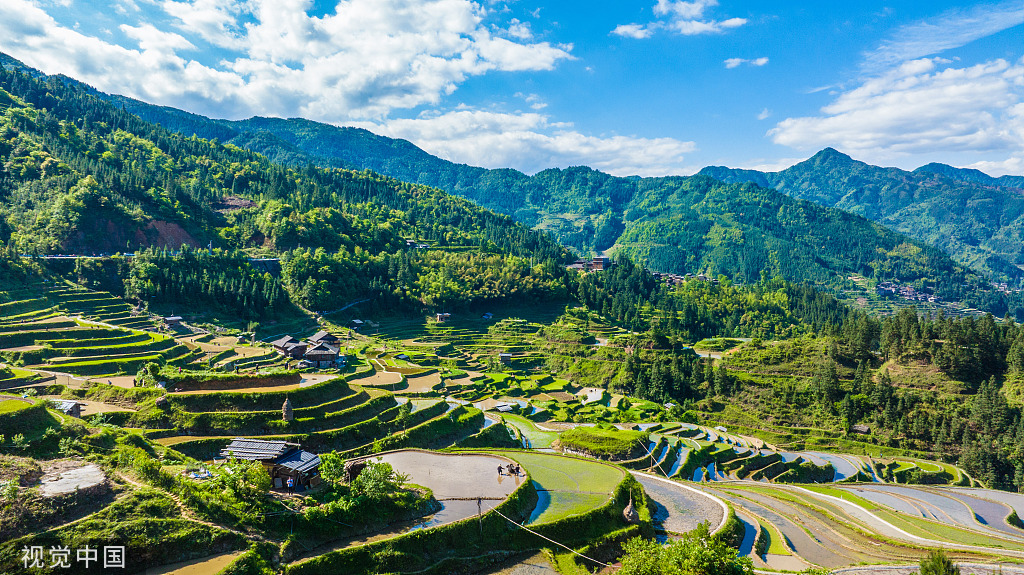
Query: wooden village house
[281,459]
[288,346]
[321,350]
[321,355]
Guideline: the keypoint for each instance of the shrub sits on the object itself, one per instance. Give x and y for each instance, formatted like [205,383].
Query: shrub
[697,553]
[937,563]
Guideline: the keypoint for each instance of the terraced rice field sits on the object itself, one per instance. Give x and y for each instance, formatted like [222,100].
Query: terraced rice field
[843,525]
[567,486]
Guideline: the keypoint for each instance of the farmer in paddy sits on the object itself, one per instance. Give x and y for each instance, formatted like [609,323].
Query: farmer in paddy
[501,470]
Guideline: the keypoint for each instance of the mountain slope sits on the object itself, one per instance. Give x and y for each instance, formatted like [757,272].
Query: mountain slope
[979,223]
[671,224]
[79,175]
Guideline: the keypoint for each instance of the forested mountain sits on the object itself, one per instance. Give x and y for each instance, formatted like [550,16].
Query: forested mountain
[80,175]
[973,217]
[974,176]
[672,224]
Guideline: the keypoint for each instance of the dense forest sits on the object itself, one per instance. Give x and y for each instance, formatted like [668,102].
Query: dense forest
[82,176]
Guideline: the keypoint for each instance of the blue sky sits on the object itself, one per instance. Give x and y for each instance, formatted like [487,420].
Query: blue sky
[648,87]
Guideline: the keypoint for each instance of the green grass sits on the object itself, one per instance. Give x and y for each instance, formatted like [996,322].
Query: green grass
[568,504]
[776,544]
[9,404]
[611,443]
[845,495]
[716,344]
[575,485]
[558,473]
[538,438]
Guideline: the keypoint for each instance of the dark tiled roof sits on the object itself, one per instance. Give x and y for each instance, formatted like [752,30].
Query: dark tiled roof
[284,341]
[321,350]
[301,461]
[256,449]
[323,336]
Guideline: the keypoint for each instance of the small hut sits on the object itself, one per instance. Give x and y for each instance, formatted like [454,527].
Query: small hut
[67,407]
[281,459]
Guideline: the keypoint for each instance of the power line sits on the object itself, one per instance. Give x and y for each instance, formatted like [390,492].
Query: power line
[551,540]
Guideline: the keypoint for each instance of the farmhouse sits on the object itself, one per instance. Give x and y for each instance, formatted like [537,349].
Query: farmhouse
[321,355]
[172,320]
[595,265]
[443,317]
[324,337]
[288,346]
[281,459]
[505,358]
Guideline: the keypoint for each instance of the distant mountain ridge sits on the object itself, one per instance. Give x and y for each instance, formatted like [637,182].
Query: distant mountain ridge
[971,175]
[674,224]
[977,219]
[974,217]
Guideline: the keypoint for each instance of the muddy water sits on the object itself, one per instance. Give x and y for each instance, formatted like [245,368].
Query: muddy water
[204,566]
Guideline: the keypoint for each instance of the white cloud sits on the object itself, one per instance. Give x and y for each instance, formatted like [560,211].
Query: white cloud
[1013,165]
[763,165]
[361,61]
[765,114]
[520,30]
[951,29]
[149,38]
[637,31]
[686,18]
[535,101]
[532,142]
[922,106]
[215,21]
[731,63]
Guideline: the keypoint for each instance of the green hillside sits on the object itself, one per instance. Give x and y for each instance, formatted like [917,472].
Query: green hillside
[82,176]
[969,215]
[672,224]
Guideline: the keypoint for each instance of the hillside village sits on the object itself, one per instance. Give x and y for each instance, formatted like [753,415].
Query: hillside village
[298,405]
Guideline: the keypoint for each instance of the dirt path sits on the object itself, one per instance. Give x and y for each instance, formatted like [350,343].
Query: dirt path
[203,566]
